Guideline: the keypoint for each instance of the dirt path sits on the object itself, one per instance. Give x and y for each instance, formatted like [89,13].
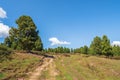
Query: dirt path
[36,74]
[52,71]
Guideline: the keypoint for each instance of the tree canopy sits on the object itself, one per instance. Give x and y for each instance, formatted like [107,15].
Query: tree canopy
[95,47]
[106,47]
[25,36]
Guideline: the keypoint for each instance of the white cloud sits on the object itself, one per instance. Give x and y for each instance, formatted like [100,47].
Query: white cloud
[55,41]
[3,13]
[4,30]
[116,43]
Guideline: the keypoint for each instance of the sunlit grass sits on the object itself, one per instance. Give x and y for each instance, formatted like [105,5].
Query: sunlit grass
[80,67]
[18,66]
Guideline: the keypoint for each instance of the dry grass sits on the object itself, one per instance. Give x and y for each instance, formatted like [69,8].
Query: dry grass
[63,67]
[18,66]
[81,67]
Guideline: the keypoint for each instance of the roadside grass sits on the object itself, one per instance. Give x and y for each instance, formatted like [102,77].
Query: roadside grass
[18,66]
[45,75]
[80,67]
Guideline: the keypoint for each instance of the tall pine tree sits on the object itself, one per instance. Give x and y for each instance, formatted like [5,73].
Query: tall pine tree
[106,47]
[95,47]
[25,37]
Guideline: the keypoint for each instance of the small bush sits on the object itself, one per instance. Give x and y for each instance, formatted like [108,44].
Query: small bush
[4,53]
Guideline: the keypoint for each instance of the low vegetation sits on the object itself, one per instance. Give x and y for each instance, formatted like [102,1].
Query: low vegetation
[82,67]
[5,53]
[18,66]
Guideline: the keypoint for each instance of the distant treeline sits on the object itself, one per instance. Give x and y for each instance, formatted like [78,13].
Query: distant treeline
[99,46]
[58,50]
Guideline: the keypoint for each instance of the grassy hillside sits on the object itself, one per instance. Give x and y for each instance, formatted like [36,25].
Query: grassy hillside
[18,66]
[81,67]
[62,67]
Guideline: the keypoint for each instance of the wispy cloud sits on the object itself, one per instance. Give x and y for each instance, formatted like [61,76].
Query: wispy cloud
[3,13]
[116,43]
[55,41]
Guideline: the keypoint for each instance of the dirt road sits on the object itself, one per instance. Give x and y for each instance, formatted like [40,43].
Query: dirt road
[36,74]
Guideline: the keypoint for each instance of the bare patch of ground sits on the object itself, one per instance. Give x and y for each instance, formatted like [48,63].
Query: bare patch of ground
[35,75]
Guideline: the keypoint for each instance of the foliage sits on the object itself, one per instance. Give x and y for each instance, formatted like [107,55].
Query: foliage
[116,50]
[38,45]
[101,46]
[25,37]
[77,50]
[106,47]
[4,53]
[58,50]
[95,47]
[84,50]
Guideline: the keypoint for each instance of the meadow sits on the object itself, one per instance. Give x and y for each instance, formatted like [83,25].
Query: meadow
[61,67]
[18,66]
[82,67]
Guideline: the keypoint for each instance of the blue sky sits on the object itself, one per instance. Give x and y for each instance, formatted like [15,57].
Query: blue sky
[74,21]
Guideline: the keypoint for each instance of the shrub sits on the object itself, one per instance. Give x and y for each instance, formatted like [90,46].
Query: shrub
[4,53]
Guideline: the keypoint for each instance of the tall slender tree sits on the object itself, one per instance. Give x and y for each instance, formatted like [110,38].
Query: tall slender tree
[95,47]
[106,47]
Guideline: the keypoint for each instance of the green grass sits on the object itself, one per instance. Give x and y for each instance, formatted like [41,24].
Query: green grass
[80,67]
[18,66]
